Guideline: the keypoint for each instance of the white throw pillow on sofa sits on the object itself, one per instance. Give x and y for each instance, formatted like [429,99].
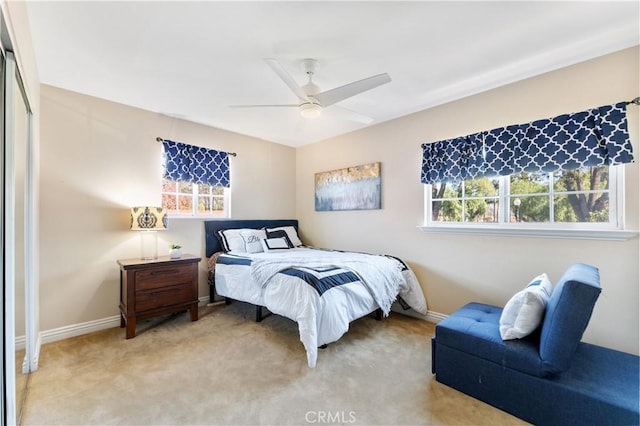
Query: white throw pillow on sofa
[524,312]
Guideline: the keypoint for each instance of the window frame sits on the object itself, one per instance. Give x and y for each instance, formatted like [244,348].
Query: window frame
[612,230]
[226,197]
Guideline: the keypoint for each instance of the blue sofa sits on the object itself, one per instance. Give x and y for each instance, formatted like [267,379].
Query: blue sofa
[549,377]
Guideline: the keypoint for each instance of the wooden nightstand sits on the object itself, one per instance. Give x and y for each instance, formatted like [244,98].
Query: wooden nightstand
[149,288]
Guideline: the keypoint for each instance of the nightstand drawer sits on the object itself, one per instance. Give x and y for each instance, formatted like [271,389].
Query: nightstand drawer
[161,297]
[163,276]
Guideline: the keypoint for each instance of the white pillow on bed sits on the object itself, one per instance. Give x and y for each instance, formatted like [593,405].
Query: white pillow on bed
[291,233]
[253,239]
[232,240]
[273,244]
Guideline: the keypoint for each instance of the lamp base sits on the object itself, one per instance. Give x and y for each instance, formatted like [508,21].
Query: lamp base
[149,245]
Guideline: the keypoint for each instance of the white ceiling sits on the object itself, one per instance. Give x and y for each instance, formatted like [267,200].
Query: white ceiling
[194,59]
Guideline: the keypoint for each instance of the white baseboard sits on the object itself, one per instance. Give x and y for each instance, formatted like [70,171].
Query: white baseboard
[74,330]
[431,316]
[435,316]
[21,342]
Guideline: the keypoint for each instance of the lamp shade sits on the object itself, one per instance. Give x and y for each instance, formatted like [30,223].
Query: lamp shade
[148,218]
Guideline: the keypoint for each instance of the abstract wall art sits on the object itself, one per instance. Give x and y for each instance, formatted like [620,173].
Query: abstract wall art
[351,188]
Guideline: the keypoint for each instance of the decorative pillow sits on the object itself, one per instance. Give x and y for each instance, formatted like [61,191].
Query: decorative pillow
[232,240]
[270,244]
[281,233]
[524,312]
[252,239]
[292,234]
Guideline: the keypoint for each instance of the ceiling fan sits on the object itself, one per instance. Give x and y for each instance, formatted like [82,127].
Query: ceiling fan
[312,101]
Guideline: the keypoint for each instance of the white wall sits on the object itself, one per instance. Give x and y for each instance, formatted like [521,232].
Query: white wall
[98,159]
[456,269]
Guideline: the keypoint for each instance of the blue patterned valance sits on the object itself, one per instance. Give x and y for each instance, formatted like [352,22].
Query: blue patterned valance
[595,137]
[189,163]
[453,159]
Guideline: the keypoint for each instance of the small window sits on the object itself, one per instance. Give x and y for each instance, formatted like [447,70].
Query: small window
[186,199]
[584,198]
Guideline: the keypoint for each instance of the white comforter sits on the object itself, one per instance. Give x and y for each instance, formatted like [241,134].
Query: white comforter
[322,318]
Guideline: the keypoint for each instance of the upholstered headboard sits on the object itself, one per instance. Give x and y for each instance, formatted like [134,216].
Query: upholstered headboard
[211,228]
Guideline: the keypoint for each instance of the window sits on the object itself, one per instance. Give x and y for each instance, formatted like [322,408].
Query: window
[558,177]
[585,198]
[195,180]
[189,199]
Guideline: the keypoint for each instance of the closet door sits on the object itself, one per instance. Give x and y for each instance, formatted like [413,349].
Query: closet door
[21,137]
[18,222]
[5,360]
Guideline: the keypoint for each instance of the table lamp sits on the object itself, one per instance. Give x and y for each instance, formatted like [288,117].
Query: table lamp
[148,220]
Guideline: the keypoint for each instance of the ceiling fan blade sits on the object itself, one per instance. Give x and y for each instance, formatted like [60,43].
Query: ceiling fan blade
[347,114]
[263,106]
[288,80]
[341,93]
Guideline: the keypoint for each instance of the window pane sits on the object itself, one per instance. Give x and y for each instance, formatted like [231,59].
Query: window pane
[529,209]
[168,185]
[204,204]
[218,204]
[217,190]
[169,203]
[447,211]
[185,187]
[446,190]
[204,189]
[185,203]
[481,187]
[482,210]
[583,179]
[529,183]
[585,207]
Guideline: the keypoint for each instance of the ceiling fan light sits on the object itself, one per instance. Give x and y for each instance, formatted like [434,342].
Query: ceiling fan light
[310,110]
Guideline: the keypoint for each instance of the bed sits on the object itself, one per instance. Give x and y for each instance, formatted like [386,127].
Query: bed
[263,262]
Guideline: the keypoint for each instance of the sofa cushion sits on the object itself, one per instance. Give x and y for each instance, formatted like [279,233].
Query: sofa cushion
[474,329]
[524,311]
[568,313]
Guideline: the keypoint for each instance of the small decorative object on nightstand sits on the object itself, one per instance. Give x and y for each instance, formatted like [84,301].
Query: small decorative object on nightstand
[150,288]
[175,252]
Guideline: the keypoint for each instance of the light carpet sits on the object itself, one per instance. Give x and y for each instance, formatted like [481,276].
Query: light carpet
[225,369]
